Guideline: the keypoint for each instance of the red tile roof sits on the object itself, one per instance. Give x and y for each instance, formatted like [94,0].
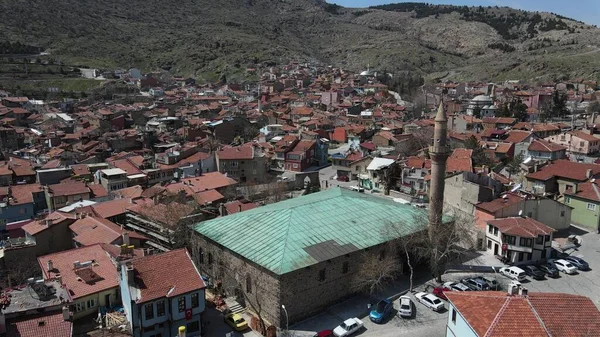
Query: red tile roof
[237,206]
[544,146]
[80,169]
[507,200]
[98,191]
[209,181]
[72,188]
[38,226]
[517,136]
[499,120]
[460,161]
[129,192]
[236,153]
[496,314]
[523,227]
[565,169]
[23,194]
[91,230]
[102,274]
[151,275]
[109,209]
[584,136]
[588,190]
[208,197]
[42,325]
[418,162]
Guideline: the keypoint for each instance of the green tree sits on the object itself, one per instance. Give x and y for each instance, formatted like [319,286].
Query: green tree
[514,166]
[520,111]
[559,104]
[479,157]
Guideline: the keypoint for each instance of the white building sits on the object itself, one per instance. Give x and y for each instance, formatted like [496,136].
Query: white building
[521,240]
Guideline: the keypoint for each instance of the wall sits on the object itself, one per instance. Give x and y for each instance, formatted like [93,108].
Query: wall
[581,216]
[55,238]
[461,194]
[99,299]
[12,213]
[460,328]
[54,176]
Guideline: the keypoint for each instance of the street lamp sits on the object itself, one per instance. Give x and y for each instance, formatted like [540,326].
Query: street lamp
[287,321]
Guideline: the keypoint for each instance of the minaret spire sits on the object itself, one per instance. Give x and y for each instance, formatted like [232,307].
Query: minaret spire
[438,152]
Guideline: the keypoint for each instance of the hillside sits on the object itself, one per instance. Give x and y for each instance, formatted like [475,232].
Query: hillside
[198,38]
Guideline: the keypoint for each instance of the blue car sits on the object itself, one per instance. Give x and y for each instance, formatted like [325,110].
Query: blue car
[381,311]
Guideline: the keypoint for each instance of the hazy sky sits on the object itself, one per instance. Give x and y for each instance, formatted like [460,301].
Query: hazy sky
[587,11]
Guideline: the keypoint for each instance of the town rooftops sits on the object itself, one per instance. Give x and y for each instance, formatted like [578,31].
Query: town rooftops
[497,314]
[168,274]
[85,270]
[540,145]
[236,153]
[50,220]
[40,325]
[497,204]
[70,188]
[588,190]
[566,169]
[522,227]
[209,181]
[91,230]
[303,231]
[517,136]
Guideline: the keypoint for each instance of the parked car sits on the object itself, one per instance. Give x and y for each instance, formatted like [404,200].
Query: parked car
[357,189]
[343,178]
[534,272]
[563,265]
[406,307]
[491,282]
[475,284]
[324,333]
[550,271]
[456,286]
[439,292]
[236,322]
[381,310]
[348,327]
[578,262]
[514,273]
[430,300]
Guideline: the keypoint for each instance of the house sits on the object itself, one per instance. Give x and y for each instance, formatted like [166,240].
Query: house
[374,179]
[496,313]
[584,198]
[21,202]
[342,162]
[384,139]
[578,142]
[236,207]
[464,190]
[50,234]
[542,149]
[545,210]
[27,311]
[89,274]
[521,240]
[540,130]
[521,140]
[414,172]
[302,257]
[464,123]
[161,293]
[498,122]
[246,163]
[556,177]
[302,156]
[90,230]
[63,194]
[112,179]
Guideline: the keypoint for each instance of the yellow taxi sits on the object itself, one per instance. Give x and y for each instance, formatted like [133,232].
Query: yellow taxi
[236,322]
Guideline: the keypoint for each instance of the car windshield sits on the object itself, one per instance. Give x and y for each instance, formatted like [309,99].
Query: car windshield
[568,265]
[344,326]
[380,307]
[239,321]
[405,306]
[436,301]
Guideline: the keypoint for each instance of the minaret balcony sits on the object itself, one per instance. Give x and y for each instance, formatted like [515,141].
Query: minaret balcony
[440,149]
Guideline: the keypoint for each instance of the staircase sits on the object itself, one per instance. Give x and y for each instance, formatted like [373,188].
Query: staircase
[234,306]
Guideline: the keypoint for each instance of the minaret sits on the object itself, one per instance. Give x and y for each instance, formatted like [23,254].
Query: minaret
[438,152]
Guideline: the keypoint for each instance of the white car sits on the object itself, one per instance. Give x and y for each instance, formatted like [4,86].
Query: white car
[350,326]
[357,189]
[514,273]
[564,266]
[456,286]
[406,307]
[430,300]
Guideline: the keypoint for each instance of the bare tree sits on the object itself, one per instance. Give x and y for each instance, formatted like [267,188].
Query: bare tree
[376,271]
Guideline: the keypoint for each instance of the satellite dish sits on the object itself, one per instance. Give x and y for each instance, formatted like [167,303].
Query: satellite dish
[527,160]
[593,180]
[520,212]
[505,196]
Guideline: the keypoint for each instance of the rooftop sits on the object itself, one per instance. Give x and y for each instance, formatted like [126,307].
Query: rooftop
[303,231]
[91,230]
[497,314]
[545,146]
[523,227]
[36,295]
[152,275]
[85,270]
[565,169]
[71,188]
[42,325]
[113,172]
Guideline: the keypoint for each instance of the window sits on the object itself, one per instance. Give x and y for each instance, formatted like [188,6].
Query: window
[495,230]
[160,308]
[193,327]
[181,304]
[529,256]
[79,306]
[591,207]
[210,258]
[345,267]
[453,316]
[195,300]
[521,256]
[295,165]
[567,200]
[562,213]
[490,229]
[539,240]
[489,244]
[149,311]
[543,253]
[200,255]
[322,275]
[547,238]
[91,303]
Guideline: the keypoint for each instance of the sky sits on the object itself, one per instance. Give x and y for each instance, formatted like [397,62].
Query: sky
[587,11]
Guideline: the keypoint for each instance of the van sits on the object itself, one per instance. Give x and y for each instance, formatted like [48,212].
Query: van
[514,273]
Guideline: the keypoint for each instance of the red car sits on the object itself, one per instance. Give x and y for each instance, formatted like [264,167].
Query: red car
[324,333]
[439,292]
[343,178]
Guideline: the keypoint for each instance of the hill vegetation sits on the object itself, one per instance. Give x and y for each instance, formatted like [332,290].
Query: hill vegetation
[207,41]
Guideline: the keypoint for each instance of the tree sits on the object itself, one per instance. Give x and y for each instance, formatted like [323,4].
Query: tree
[514,166]
[520,111]
[479,156]
[375,273]
[559,104]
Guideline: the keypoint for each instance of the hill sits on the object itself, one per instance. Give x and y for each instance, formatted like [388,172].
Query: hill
[207,40]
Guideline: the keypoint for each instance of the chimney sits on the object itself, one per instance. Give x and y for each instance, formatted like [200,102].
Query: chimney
[181,331]
[126,238]
[535,167]
[66,313]
[222,209]
[588,173]
[522,291]
[239,208]
[130,273]
[50,265]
